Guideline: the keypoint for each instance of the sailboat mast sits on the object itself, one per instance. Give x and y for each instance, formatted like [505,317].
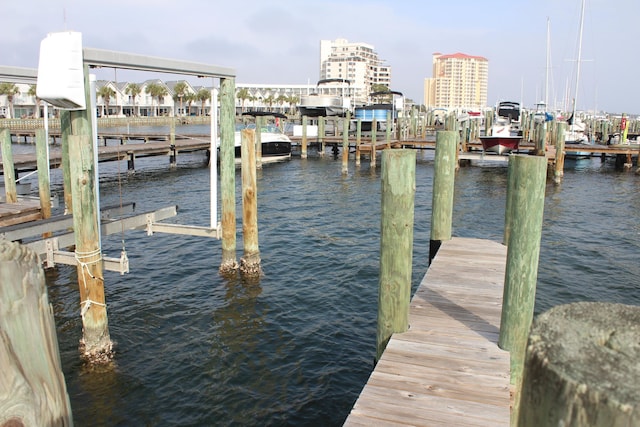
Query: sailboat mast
[546,77]
[575,96]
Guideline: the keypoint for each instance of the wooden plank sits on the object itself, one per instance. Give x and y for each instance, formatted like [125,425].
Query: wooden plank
[447,369]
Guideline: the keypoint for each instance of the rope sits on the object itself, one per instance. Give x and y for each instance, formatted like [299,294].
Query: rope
[86,304]
[84,265]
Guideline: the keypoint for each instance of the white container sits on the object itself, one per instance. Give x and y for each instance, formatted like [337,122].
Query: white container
[61,71]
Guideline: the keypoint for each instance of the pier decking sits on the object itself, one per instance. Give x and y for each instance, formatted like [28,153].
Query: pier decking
[447,369]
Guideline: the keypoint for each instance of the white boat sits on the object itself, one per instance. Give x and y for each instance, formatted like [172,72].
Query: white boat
[275,144]
[502,138]
[331,98]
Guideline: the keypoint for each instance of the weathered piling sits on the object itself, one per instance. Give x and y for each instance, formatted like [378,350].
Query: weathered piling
[528,179]
[250,261]
[374,128]
[398,188]
[173,161]
[95,345]
[65,131]
[11,191]
[582,367]
[443,185]
[559,162]
[358,140]
[321,143]
[258,143]
[32,390]
[345,143]
[303,149]
[42,160]
[228,263]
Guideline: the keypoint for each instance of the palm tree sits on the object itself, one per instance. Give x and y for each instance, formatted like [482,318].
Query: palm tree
[281,99]
[180,91]
[269,100]
[203,96]
[157,91]
[32,92]
[106,93]
[133,90]
[189,99]
[243,95]
[293,100]
[10,90]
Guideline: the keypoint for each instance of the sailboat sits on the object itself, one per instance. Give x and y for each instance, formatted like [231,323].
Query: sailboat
[576,133]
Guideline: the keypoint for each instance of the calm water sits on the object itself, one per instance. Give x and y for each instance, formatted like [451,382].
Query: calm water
[296,347]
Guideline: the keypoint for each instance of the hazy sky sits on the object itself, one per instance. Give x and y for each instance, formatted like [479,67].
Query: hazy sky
[278,41]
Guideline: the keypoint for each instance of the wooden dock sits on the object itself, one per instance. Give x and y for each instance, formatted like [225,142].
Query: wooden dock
[27,162]
[447,369]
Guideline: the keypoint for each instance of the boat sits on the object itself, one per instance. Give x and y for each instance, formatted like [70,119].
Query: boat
[501,139]
[331,98]
[379,111]
[275,144]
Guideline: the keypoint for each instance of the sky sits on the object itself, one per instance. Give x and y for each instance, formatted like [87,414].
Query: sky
[278,41]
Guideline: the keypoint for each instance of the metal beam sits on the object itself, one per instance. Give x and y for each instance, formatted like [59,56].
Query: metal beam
[18,74]
[108,58]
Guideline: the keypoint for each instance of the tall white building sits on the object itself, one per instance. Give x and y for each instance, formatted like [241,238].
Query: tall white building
[459,81]
[356,62]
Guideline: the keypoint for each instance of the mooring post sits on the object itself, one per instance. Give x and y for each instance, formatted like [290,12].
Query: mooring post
[528,179]
[398,187]
[228,263]
[95,345]
[444,170]
[65,131]
[44,185]
[33,388]
[322,147]
[559,163]
[303,150]
[374,130]
[358,140]
[345,143]
[250,261]
[389,125]
[258,142]
[172,142]
[582,367]
[11,192]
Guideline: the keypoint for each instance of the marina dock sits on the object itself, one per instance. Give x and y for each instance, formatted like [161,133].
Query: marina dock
[447,368]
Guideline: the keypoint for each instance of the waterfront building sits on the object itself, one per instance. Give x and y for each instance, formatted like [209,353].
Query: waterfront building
[459,81]
[356,62]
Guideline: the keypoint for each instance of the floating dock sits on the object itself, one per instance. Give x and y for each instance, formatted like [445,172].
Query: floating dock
[447,368]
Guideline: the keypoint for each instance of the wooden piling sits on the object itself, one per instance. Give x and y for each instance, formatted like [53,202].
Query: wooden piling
[303,149]
[228,264]
[250,261]
[95,345]
[528,176]
[443,185]
[32,390]
[374,129]
[559,162]
[582,367]
[358,140]
[172,141]
[65,131]
[322,147]
[11,191]
[398,188]
[345,143]
[258,142]
[42,161]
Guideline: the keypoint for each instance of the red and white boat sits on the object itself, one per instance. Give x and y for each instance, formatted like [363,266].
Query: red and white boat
[501,140]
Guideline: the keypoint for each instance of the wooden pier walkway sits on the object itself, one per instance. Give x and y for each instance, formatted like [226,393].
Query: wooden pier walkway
[447,369]
[28,162]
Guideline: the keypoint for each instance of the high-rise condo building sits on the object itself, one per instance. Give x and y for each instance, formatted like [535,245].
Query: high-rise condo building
[459,81]
[356,62]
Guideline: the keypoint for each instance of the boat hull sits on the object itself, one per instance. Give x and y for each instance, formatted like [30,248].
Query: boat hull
[500,144]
